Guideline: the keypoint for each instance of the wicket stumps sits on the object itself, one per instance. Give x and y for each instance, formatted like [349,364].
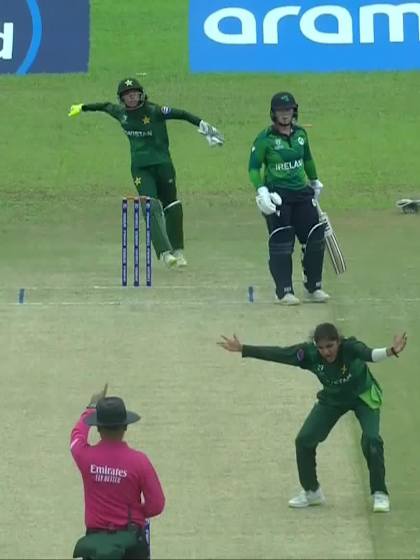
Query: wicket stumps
[136,240]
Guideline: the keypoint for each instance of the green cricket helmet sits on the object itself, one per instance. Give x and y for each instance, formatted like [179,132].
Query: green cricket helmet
[130,84]
[283,100]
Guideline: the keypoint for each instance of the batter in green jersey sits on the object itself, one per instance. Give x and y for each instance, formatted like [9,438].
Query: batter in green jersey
[144,124]
[280,166]
[340,364]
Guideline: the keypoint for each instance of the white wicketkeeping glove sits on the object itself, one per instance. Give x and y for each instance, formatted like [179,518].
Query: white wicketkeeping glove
[264,201]
[213,136]
[214,140]
[317,187]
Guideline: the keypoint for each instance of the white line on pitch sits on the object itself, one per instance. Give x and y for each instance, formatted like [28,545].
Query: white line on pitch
[201,302]
[178,303]
[142,288]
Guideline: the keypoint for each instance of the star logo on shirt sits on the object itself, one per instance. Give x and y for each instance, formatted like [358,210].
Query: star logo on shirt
[128,82]
[146,120]
[137,181]
[124,119]
[343,370]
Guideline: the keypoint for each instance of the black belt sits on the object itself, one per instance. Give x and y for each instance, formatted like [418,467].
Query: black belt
[129,527]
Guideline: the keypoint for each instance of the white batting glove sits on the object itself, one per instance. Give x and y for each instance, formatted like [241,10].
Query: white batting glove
[276,199]
[264,202]
[317,187]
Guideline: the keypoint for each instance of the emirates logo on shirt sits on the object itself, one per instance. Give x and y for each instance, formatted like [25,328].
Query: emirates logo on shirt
[104,473]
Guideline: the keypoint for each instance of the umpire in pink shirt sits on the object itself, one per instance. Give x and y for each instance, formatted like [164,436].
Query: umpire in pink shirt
[121,487]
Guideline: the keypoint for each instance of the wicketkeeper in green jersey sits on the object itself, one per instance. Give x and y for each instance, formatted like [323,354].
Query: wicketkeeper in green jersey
[287,201]
[144,124]
[348,384]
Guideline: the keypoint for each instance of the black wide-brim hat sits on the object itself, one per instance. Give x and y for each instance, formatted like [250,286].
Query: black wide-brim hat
[111,412]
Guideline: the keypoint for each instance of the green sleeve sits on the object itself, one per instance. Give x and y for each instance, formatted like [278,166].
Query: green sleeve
[358,349]
[110,108]
[296,355]
[178,114]
[309,164]
[255,178]
[256,161]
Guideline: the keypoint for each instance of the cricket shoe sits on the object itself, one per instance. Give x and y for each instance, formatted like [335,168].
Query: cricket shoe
[307,498]
[318,296]
[181,261]
[381,502]
[287,299]
[168,259]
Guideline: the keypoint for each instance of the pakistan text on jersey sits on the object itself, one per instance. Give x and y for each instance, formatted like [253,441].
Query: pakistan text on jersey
[139,133]
[289,165]
[338,381]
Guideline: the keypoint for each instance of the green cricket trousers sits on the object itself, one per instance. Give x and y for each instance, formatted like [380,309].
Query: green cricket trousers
[316,428]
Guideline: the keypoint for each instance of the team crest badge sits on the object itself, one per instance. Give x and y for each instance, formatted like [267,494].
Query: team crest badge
[300,355]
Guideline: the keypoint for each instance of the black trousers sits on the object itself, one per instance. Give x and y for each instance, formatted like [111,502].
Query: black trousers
[316,428]
[297,210]
[297,217]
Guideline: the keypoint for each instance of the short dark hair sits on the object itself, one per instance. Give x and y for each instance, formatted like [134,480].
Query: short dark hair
[116,428]
[326,331]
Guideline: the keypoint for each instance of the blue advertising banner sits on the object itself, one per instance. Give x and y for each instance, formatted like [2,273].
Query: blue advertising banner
[50,36]
[303,36]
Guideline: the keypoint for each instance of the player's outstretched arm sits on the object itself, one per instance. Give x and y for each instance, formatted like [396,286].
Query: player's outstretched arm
[110,108]
[398,345]
[231,344]
[289,355]
[213,136]
[378,354]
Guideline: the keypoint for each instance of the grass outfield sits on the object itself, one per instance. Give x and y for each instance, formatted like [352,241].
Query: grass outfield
[219,430]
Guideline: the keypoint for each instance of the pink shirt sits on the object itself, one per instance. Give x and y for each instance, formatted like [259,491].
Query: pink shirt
[120,483]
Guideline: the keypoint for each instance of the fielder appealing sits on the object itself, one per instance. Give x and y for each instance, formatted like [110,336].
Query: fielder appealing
[121,487]
[340,365]
[286,200]
[152,169]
